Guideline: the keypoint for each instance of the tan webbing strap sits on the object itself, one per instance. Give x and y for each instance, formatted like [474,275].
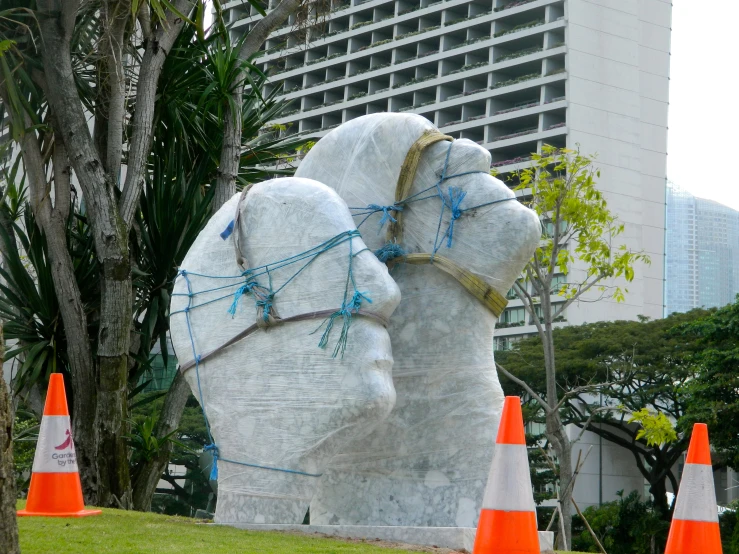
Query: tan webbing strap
[407,174]
[273,317]
[253,328]
[487,295]
[240,256]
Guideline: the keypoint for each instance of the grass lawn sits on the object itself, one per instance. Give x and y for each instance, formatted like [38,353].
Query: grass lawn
[121,532]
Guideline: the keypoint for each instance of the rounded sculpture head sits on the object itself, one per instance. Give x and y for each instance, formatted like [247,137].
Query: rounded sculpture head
[434,449]
[362,161]
[278,405]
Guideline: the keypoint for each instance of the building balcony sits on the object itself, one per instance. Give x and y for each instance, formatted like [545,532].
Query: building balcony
[531,27]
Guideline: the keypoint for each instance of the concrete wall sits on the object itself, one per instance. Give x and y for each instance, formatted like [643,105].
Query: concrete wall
[608,469]
[618,65]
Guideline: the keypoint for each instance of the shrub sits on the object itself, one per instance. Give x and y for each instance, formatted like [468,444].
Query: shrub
[729,529]
[626,526]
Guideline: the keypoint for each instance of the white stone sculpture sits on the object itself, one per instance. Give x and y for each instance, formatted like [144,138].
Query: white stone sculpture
[427,463]
[274,399]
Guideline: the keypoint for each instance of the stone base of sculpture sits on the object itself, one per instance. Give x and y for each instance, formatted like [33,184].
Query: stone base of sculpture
[457,538]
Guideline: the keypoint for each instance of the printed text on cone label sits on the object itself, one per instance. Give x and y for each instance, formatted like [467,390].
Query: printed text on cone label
[55,451]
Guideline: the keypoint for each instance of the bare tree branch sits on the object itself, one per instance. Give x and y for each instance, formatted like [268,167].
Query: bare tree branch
[527,388]
[231,147]
[577,391]
[587,423]
[144,19]
[582,290]
[169,419]
[528,302]
[66,288]
[157,48]
[115,15]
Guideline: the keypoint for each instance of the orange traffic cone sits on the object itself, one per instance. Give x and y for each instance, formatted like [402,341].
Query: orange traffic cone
[694,528]
[55,480]
[508,518]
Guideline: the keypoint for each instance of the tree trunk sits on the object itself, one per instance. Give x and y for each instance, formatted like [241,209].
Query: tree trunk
[53,223]
[146,479]
[56,21]
[8,525]
[555,429]
[658,490]
[564,455]
[115,319]
[84,418]
[228,168]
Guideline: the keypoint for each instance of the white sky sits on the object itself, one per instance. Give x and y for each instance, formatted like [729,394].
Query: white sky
[704,99]
[704,92]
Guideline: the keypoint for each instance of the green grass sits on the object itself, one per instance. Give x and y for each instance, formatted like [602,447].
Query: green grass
[121,532]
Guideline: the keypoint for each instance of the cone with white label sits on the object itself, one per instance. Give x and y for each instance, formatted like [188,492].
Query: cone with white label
[694,528]
[508,518]
[55,489]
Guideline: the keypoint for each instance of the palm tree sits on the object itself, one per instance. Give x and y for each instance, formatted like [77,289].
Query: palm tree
[66,249]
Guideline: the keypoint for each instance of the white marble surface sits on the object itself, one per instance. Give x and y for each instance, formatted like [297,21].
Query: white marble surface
[427,463]
[275,399]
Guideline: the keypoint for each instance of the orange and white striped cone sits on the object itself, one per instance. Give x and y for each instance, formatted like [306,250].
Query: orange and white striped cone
[694,528]
[508,518]
[55,480]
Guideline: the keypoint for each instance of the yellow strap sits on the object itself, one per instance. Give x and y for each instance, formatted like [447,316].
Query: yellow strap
[407,174]
[487,295]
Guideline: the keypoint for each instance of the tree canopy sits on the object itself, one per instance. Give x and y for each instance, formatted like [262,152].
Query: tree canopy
[714,393]
[577,259]
[643,368]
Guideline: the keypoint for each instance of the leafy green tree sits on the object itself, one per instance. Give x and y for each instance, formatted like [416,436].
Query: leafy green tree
[642,369]
[714,393]
[93,299]
[578,238]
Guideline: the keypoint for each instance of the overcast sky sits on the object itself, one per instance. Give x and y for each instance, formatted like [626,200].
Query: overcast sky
[704,90]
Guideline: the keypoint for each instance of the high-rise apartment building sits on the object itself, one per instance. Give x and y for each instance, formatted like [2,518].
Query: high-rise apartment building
[511,75]
[702,252]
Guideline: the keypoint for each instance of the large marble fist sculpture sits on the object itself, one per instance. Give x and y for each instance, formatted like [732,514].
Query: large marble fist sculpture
[278,406]
[428,462]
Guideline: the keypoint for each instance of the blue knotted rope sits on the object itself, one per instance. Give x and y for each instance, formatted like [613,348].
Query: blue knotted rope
[452,201]
[456,195]
[347,310]
[246,288]
[247,283]
[376,208]
[389,252]
[214,466]
[265,303]
[349,306]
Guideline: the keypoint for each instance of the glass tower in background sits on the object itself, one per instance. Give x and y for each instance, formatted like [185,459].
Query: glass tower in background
[701,252]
